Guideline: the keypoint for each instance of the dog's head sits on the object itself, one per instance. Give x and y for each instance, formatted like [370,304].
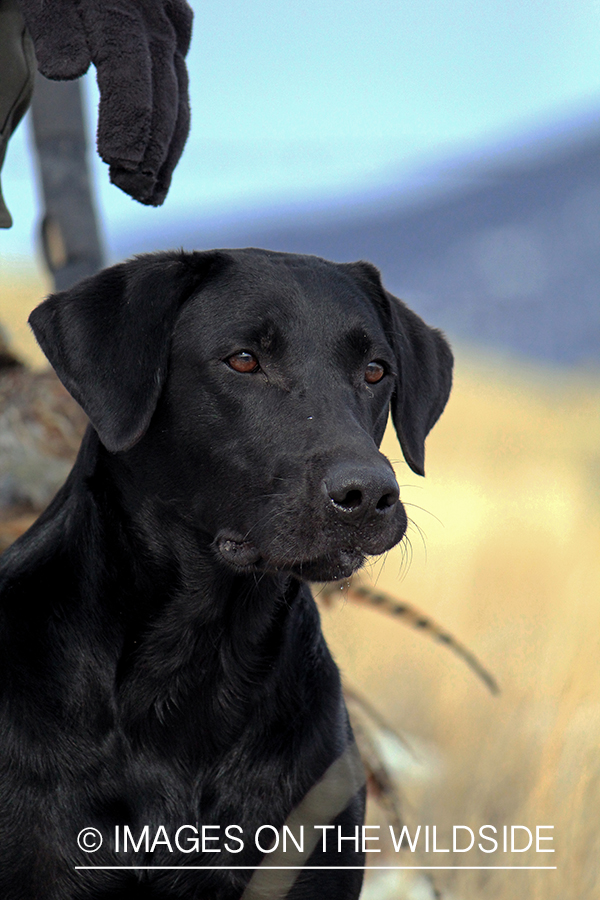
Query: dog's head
[250,391]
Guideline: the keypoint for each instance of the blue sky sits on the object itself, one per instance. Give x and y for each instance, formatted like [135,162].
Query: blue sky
[306,102]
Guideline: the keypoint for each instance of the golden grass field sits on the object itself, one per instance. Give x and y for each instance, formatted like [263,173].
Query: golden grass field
[506,556]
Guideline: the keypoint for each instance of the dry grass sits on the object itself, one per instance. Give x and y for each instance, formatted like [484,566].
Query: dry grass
[509,515]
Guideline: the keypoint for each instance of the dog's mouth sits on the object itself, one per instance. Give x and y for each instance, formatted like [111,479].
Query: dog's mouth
[335,567]
[244,557]
[237,552]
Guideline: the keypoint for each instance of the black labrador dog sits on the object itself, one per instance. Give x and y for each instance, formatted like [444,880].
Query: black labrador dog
[168,703]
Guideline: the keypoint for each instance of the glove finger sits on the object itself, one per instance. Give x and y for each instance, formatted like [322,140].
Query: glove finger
[58,37]
[120,51]
[182,16]
[180,135]
[141,182]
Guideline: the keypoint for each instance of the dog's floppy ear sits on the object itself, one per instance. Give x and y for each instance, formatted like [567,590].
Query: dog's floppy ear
[425,365]
[424,368]
[108,337]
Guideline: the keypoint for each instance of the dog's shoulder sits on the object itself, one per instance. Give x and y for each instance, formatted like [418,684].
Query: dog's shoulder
[44,566]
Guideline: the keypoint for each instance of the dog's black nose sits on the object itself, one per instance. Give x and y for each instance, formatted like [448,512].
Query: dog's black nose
[360,490]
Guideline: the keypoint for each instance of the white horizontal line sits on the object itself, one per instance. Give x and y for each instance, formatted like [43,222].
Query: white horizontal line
[327,868]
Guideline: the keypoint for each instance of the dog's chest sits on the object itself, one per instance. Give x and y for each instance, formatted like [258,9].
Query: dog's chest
[150,809]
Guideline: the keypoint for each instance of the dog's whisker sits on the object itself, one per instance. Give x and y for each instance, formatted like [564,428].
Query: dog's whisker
[423,509]
[413,525]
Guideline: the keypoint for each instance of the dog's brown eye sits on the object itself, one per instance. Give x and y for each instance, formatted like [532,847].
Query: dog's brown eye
[374,372]
[243,362]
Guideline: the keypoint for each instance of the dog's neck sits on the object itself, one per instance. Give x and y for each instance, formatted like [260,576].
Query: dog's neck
[168,647]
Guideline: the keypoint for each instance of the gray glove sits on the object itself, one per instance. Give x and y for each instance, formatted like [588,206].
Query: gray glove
[138,48]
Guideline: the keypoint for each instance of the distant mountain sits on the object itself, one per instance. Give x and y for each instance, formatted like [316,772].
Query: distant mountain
[506,253]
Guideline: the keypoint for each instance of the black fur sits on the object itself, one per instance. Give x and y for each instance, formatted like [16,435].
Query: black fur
[161,658]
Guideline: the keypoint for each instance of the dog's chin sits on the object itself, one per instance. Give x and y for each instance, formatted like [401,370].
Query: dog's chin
[334,567]
[243,557]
